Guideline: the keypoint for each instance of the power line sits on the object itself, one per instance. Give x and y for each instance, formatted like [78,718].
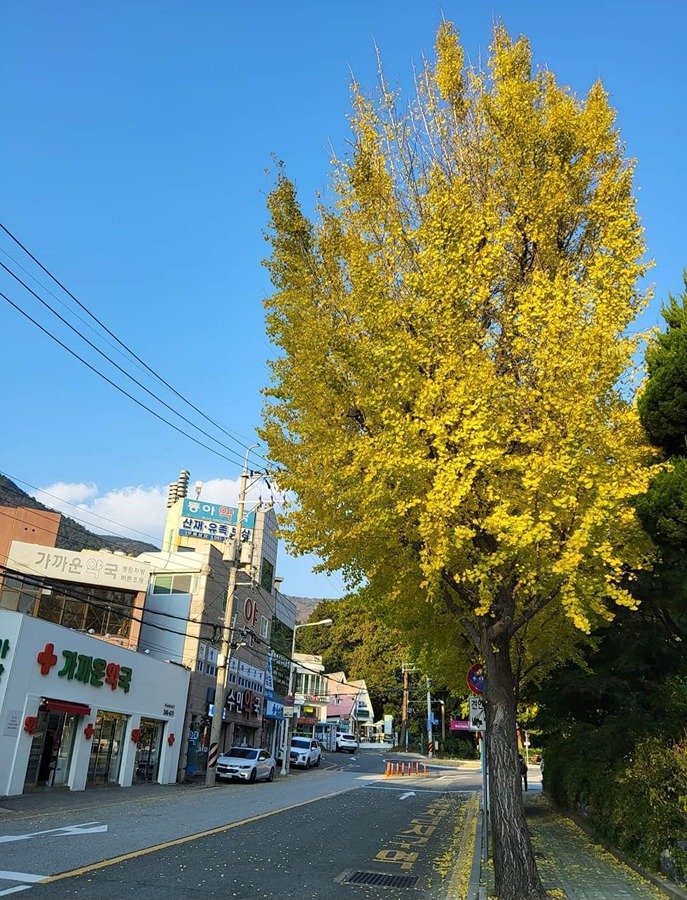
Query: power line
[37,580]
[44,512]
[115,385]
[128,350]
[121,609]
[112,362]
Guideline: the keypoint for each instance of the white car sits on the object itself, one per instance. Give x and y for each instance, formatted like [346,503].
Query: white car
[305,752]
[346,741]
[246,764]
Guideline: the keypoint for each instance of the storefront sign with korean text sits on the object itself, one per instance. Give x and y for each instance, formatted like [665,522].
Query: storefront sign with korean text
[244,702]
[4,650]
[95,671]
[213,522]
[82,567]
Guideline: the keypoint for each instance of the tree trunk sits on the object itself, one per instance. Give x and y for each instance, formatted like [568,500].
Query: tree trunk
[515,869]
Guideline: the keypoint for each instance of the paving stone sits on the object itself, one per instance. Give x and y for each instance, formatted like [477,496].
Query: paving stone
[571,865]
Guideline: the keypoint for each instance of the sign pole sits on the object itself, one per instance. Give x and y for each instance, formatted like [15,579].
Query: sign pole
[485,794]
[430,736]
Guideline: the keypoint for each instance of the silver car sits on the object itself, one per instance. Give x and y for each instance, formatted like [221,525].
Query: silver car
[246,764]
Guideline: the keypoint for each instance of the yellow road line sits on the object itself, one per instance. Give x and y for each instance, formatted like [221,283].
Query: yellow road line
[183,840]
[462,861]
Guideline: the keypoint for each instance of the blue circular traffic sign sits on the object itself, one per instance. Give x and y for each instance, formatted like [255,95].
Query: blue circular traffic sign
[476,678]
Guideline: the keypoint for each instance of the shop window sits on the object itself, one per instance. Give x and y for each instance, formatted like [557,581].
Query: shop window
[102,610]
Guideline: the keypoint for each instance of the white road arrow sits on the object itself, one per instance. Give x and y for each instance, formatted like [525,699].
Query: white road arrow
[407,794]
[85,828]
[88,828]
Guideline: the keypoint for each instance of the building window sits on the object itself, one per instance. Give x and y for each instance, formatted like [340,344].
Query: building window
[264,627]
[267,574]
[77,606]
[172,584]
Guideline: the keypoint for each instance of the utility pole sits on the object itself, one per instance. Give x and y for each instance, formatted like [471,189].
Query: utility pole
[430,742]
[227,632]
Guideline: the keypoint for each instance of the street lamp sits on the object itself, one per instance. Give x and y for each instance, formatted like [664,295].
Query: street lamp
[285,741]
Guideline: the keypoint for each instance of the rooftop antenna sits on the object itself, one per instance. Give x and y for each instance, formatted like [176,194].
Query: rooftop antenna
[198,489]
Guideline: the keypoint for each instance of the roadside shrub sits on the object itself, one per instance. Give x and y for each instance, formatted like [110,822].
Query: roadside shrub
[633,798]
[455,747]
[649,812]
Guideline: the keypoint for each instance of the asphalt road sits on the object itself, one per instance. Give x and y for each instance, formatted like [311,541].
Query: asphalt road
[304,836]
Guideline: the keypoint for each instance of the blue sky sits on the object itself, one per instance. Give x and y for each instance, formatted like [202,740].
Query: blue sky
[135,142]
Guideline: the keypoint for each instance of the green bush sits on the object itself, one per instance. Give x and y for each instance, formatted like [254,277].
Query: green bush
[456,747]
[634,798]
[650,809]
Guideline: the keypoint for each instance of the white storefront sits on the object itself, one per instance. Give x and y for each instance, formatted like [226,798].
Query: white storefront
[76,710]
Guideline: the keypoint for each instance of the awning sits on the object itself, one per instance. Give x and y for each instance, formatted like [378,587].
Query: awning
[66,706]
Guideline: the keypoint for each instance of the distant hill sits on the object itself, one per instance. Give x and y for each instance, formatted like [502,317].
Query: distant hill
[305,606]
[71,535]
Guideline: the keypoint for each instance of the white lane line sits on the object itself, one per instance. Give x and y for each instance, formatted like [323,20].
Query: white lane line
[21,876]
[64,831]
[22,887]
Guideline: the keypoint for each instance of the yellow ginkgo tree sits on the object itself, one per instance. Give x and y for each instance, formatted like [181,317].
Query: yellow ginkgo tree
[450,403]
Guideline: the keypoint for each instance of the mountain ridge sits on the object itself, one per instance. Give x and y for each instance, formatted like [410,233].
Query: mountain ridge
[72,535]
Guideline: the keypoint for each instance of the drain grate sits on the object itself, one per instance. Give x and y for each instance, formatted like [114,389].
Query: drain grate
[379,879]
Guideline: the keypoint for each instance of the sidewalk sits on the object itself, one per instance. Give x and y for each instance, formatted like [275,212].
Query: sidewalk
[571,865]
[48,801]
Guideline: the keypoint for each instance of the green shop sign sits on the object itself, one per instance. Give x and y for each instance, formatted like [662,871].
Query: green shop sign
[4,650]
[86,669]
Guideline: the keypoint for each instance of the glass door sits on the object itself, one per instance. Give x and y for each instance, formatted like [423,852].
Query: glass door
[64,744]
[106,748]
[148,750]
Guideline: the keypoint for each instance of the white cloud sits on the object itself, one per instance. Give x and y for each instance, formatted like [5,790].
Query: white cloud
[139,512]
[76,492]
[136,512]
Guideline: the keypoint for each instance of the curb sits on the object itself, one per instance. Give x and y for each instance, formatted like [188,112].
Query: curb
[474,890]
